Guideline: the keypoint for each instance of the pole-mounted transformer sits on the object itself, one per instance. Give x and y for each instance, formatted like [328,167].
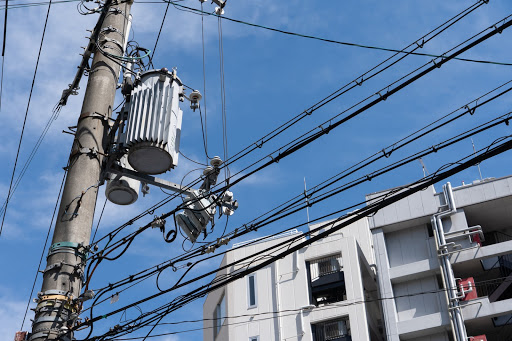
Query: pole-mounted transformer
[154,122]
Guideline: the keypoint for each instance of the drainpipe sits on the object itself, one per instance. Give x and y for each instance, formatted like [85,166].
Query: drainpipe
[278,303]
[449,283]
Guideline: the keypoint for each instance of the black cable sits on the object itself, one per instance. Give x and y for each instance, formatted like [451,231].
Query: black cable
[409,159]
[205,132]
[196,162]
[502,119]
[358,81]
[158,36]
[44,249]
[292,312]
[319,131]
[26,113]
[99,221]
[5,30]
[372,208]
[202,13]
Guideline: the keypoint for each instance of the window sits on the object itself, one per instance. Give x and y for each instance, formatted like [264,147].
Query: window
[219,315]
[334,330]
[254,338]
[326,280]
[325,266]
[251,291]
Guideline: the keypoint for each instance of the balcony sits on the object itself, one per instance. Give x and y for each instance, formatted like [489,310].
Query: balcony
[327,281]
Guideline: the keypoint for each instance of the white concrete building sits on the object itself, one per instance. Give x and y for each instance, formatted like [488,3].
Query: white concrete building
[426,244]
[443,264]
[317,293]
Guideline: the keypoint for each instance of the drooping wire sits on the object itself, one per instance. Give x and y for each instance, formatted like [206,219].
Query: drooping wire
[379,48]
[223,101]
[158,36]
[439,146]
[358,81]
[99,221]
[26,115]
[494,122]
[443,172]
[205,130]
[379,96]
[44,249]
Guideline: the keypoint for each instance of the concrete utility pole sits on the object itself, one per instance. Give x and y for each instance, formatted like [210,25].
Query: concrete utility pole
[58,304]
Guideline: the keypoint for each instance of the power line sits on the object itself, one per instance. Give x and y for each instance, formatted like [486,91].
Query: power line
[159,32]
[371,47]
[382,95]
[26,114]
[434,149]
[444,172]
[44,249]
[358,81]
[293,312]
[329,98]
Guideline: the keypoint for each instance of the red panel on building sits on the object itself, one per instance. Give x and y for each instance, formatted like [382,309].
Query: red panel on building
[475,238]
[478,338]
[468,286]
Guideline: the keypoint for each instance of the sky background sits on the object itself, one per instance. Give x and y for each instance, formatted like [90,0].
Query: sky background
[269,78]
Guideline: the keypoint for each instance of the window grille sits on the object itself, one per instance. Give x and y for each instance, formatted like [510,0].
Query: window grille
[325,266]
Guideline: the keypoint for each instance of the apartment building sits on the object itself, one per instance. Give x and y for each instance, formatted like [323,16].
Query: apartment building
[326,291]
[445,261]
[435,266]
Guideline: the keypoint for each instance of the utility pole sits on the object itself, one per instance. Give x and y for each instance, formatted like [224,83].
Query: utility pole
[58,302]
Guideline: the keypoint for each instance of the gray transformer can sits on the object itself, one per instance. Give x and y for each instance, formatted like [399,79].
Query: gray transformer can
[154,122]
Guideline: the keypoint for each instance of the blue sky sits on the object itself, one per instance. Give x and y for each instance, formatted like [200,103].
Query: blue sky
[269,78]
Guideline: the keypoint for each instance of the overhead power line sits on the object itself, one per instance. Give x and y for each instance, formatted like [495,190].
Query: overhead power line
[385,152]
[292,312]
[493,149]
[26,114]
[382,95]
[371,47]
[356,82]
[313,200]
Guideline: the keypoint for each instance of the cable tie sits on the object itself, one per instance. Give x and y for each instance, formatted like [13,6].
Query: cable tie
[386,154]
[308,112]
[276,159]
[434,149]
[385,97]
[422,43]
[361,82]
[259,145]
[500,31]
[471,111]
[368,177]
[436,64]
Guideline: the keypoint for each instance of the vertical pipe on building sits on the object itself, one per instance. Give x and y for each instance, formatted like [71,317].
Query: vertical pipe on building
[278,303]
[449,282]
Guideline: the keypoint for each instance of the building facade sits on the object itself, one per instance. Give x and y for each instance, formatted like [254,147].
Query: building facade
[326,291]
[444,261]
[435,266]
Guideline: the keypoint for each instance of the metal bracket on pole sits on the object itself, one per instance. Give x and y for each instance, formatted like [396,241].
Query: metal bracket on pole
[148,179]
